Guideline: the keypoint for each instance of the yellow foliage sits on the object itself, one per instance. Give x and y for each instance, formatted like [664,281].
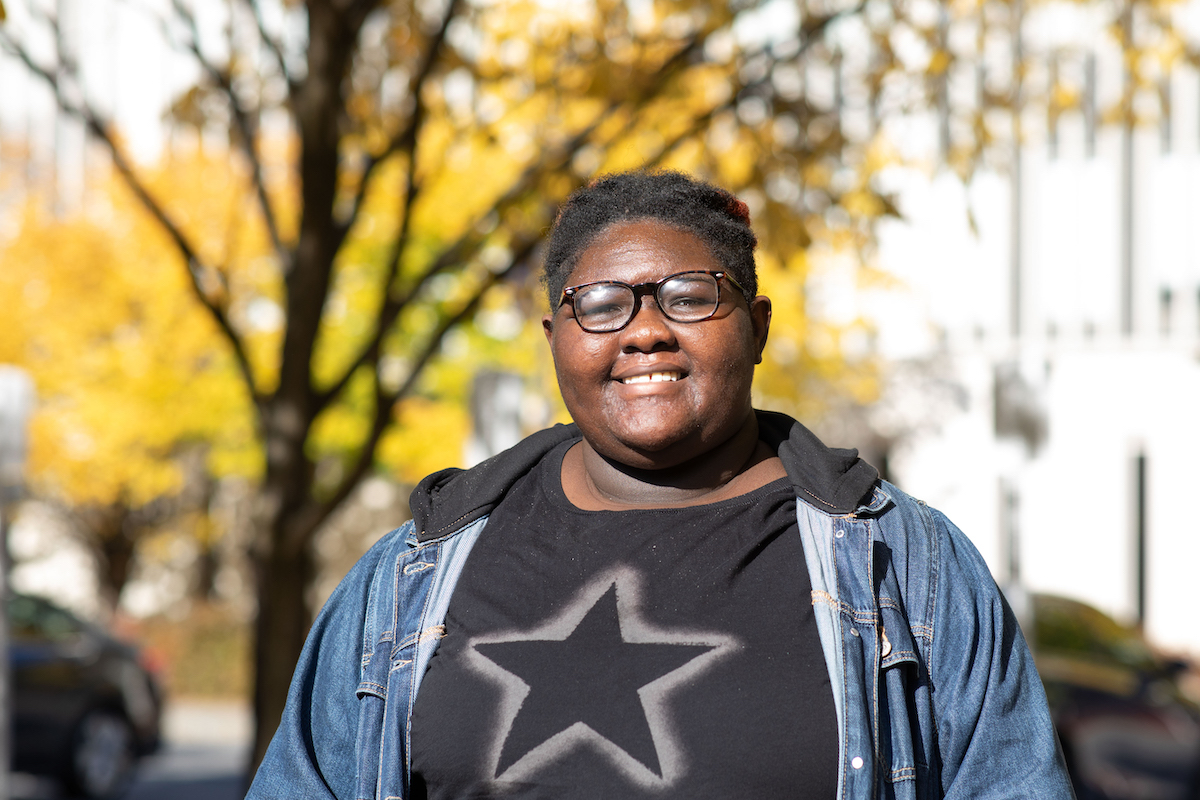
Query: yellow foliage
[427,436]
[809,364]
[127,366]
[431,429]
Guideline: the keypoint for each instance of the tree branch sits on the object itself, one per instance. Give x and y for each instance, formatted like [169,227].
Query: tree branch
[246,128]
[385,403]
[811,33]
[406,139]
[196,267]
[391,307]
[272,44]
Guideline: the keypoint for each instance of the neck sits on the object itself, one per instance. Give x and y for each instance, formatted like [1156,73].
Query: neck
[739,465]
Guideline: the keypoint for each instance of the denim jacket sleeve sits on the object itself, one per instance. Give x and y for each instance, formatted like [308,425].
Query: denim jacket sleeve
[934,686]
[313,752]
[345,728]
[994,733]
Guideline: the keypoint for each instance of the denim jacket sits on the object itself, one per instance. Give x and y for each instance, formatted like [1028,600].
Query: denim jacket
[935,690]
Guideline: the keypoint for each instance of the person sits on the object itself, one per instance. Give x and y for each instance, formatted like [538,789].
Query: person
[678,595]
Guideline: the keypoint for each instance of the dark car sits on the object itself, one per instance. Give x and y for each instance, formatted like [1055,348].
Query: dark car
[84,706]
[1127,730]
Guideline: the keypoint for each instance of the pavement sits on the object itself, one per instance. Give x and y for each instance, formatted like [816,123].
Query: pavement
[206,744]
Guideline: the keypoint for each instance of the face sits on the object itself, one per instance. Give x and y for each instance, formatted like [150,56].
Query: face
[657,393]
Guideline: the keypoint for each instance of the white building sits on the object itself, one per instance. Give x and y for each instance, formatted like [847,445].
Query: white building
[1072,327]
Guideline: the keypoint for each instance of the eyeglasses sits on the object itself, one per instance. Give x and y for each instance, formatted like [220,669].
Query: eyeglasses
[607,306]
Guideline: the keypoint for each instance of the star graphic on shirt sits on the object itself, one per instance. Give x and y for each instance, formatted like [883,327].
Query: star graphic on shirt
[544,672]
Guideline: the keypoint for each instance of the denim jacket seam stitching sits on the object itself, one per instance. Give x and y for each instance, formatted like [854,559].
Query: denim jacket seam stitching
[887,602]
[452,526]
[412,682]
[397,573]
[861,617]
[905,657]
[370,640]
[818,499]
[929,629]
[876,760]
[857,616]
[845,732]
[933,573]
[404,644]
[383,638]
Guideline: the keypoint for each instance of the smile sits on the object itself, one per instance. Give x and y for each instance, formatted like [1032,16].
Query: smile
[653,377]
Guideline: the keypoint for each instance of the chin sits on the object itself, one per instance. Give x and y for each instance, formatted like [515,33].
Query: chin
[648,452]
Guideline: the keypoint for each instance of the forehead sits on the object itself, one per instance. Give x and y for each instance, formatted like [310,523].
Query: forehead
[640,251]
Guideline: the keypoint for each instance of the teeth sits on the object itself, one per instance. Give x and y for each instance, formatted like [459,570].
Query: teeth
[653,377]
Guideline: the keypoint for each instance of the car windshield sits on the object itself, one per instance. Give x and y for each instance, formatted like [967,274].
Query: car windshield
[31,619]
[1072,628]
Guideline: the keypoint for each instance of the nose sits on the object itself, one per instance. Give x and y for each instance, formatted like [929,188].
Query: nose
[649,329]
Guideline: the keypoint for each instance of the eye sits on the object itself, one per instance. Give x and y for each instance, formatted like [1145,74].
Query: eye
[687,300]
[603,301]
[689,295]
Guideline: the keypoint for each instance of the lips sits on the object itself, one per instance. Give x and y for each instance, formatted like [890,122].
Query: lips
[653,377]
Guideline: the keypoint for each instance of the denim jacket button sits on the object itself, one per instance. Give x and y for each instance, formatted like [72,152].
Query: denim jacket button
[856,762]
[885,647]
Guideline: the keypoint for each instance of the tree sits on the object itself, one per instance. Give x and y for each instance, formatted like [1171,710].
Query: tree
[402,159]
[137,392]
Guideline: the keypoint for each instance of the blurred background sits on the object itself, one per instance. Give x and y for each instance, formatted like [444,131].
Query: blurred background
[266,263]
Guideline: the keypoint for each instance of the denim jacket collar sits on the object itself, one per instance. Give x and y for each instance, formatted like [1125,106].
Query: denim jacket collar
[835,480]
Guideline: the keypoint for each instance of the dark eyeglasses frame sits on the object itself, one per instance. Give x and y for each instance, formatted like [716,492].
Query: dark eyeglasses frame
[651,288]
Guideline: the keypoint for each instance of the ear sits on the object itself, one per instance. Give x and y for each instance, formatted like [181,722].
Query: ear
[548,327]
[760,322]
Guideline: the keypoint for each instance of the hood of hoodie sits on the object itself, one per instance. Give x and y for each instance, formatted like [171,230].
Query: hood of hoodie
[835,480]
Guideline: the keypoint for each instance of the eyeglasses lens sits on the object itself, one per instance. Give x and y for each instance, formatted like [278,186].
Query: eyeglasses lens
[689,297]
[603,306]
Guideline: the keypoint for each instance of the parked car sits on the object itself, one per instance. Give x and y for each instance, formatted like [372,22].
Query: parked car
[85,708]
[1127,730]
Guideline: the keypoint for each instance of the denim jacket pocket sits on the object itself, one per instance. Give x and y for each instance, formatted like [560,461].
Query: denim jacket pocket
[903,753]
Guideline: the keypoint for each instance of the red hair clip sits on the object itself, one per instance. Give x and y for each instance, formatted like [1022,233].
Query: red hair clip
[738,210]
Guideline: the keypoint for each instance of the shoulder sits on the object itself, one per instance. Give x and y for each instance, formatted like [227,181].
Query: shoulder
[373,564]
[923,538]
[947,589]
[359,600]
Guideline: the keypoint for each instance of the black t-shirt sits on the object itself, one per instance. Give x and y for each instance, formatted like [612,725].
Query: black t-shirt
[629,654]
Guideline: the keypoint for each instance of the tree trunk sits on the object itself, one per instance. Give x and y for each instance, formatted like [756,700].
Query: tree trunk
[111,535]
[117,554]
[283,564]
[283,577]
[208,563]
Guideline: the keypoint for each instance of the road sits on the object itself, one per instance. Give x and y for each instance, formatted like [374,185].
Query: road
[204,753]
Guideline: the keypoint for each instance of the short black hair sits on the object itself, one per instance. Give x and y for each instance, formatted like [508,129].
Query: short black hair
[718,218]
